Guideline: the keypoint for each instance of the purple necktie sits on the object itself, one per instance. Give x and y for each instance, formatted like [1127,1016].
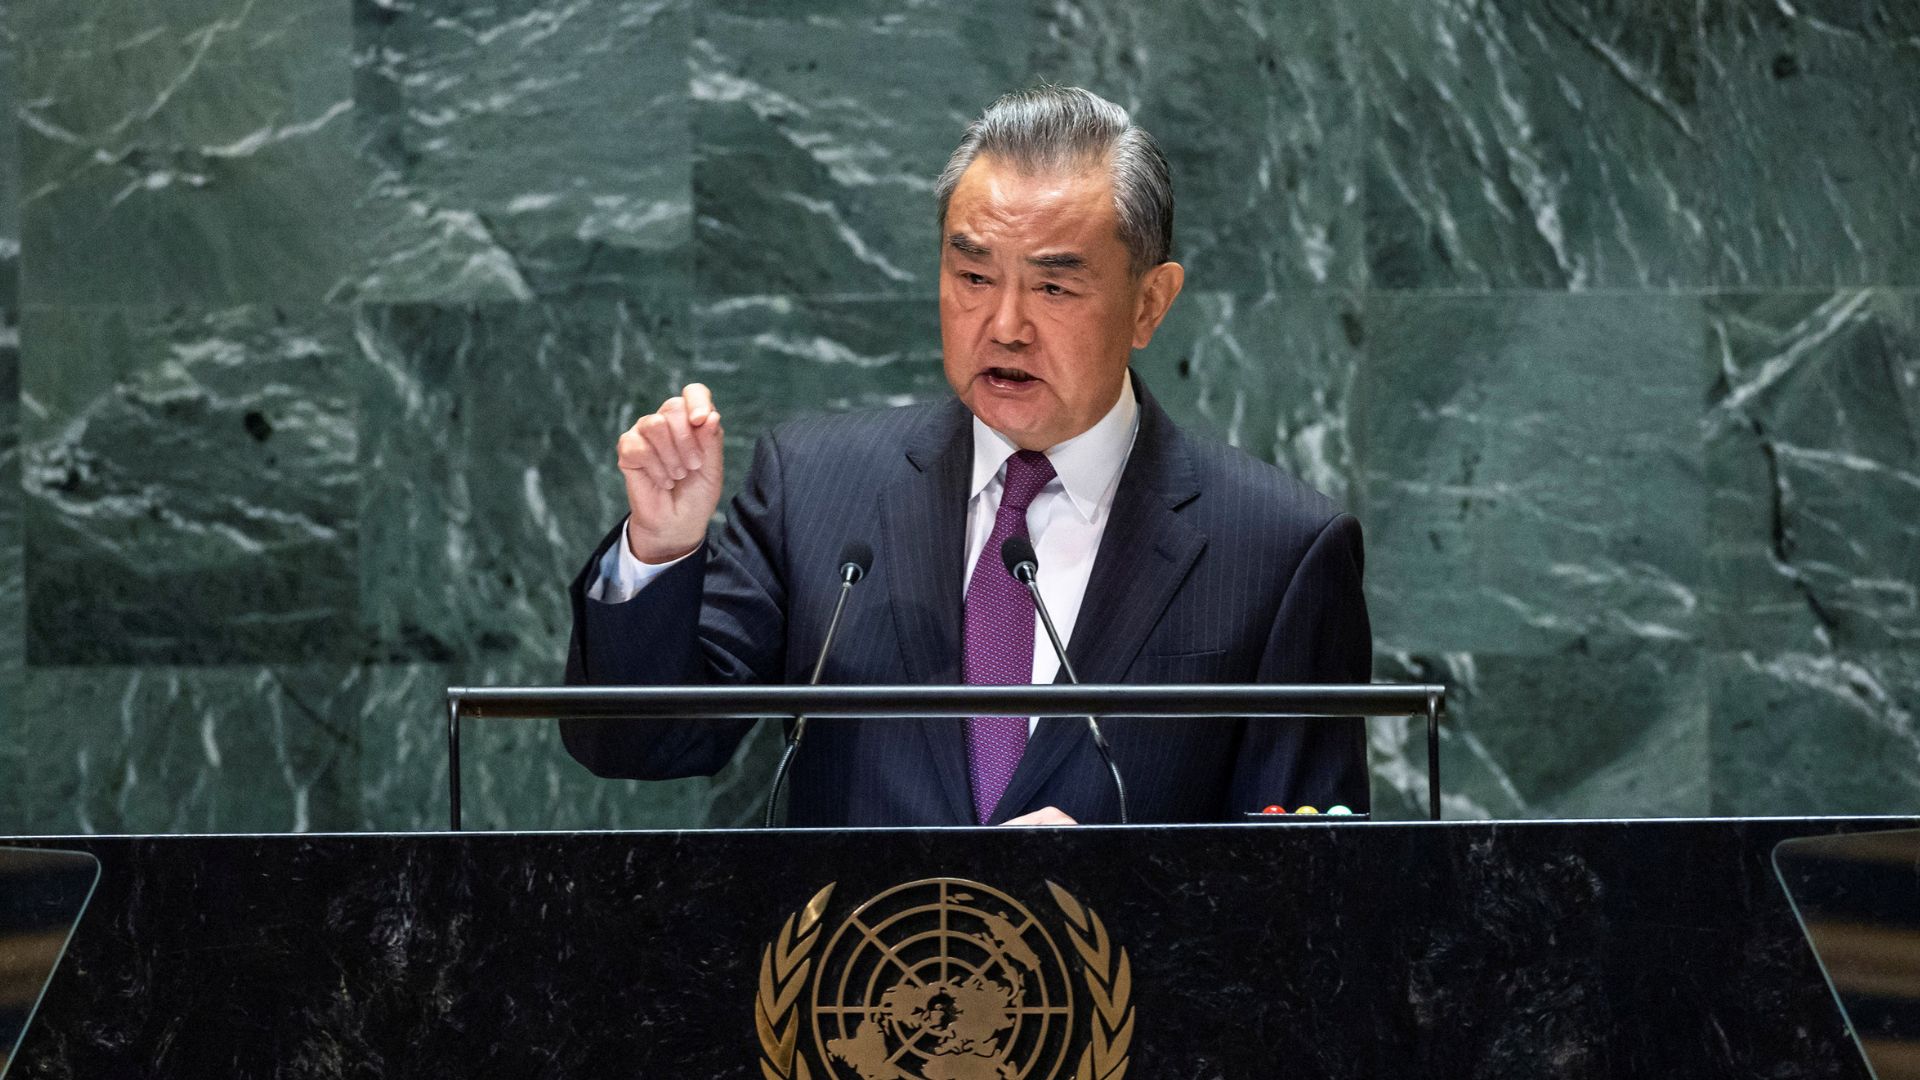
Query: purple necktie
[999,642]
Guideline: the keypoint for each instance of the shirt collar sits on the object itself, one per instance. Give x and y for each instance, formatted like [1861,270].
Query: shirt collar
[1087,464]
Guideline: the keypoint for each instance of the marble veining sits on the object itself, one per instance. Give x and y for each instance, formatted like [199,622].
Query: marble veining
[14,752]
[814,174]
[1532,471]
[251,559]
[9,174]
[1814,144]
[180,153]
[1273,376]
[1812,439]
[1831,731]
[591,97]
[1532,145]
[1262,108]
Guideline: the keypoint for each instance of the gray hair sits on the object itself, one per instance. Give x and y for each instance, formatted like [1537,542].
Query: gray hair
[1051,129]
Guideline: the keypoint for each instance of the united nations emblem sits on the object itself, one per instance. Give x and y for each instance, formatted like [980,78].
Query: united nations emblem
[944,979]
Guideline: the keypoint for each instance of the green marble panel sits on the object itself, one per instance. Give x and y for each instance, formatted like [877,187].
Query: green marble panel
[1272,376]
[1811,157]
[12,569]
[526,148]
[402,737]
[820,128]
[203,749]
[1259,110]
[185,150]
[1533,145]
[16,757]
[9,172]
[1532,470]
[14,751]
[190,484]
[1799,732]
[770,359]
[1616,730]
[488,450]
[1814,467]
[515,774]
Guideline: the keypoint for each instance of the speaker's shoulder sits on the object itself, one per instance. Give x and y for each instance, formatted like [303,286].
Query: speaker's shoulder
[1235,484]
[854,441]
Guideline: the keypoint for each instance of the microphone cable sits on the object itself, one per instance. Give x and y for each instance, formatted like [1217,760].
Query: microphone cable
[1018,555]
[856,558]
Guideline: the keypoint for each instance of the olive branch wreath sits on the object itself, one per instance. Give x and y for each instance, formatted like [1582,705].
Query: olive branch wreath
[1110,982]
[786,963]
[784,966]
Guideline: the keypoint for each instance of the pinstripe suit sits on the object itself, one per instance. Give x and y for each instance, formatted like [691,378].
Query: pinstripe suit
[1214,567]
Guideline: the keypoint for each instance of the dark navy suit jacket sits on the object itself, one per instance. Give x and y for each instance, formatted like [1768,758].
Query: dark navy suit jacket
[1214,567]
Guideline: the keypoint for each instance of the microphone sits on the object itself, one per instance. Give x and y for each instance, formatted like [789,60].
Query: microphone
[1017,553]
[856,558]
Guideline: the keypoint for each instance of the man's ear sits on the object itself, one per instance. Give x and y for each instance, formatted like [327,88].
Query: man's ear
[1158,287]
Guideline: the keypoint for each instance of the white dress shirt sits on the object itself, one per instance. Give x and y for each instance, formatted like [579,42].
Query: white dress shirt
[1065,520]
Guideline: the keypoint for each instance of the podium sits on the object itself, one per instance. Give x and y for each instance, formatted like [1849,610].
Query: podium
[1309,950]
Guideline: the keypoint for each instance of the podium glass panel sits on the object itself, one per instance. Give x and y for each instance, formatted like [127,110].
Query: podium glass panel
[1858,901]
[42,894]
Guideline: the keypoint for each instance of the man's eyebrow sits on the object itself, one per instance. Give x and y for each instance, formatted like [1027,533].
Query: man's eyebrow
[966,245]
[1064,260]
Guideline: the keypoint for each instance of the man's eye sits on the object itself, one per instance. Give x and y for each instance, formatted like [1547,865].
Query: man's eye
[1053,290]
[972,278]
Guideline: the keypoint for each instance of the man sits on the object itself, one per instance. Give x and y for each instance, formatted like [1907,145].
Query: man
[1163,558]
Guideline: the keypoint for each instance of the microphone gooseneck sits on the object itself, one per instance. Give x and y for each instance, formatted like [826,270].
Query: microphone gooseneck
[1016,552]
[856,558]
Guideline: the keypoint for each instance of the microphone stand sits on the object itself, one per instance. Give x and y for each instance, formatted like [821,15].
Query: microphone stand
[850,573]
[1028,573]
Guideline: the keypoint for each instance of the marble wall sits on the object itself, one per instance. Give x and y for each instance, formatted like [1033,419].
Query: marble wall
[318,319]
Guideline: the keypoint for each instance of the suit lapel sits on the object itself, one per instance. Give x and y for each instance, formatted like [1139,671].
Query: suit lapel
[1053,738]
[922,523]
[1145,553]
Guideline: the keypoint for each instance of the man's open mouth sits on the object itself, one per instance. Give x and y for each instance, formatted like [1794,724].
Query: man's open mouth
[1012,375]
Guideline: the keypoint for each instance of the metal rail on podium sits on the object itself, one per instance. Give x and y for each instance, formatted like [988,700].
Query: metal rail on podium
[643,704]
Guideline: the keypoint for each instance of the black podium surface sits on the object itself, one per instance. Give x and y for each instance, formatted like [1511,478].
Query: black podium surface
[1565,949]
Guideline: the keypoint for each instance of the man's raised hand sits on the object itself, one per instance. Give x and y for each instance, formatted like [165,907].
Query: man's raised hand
[672,463]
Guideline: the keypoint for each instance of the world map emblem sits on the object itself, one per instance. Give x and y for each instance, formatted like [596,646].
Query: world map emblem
[945,979]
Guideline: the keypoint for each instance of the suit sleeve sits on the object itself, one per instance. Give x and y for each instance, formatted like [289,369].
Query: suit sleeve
[1320,635]
[716,618]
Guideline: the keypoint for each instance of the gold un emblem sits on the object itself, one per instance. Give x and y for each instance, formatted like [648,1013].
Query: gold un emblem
[944,979]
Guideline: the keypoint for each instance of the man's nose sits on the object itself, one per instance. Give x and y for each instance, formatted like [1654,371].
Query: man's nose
[1011,328]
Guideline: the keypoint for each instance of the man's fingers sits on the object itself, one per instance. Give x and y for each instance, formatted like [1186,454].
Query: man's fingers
[670,445]
[658,431]
[637,456]
[1050,815]
[708,437]
[672,465]
[633,452]
[686,448]
[699,401]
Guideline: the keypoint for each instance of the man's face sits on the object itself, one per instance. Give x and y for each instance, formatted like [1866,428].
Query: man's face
[1038,310]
